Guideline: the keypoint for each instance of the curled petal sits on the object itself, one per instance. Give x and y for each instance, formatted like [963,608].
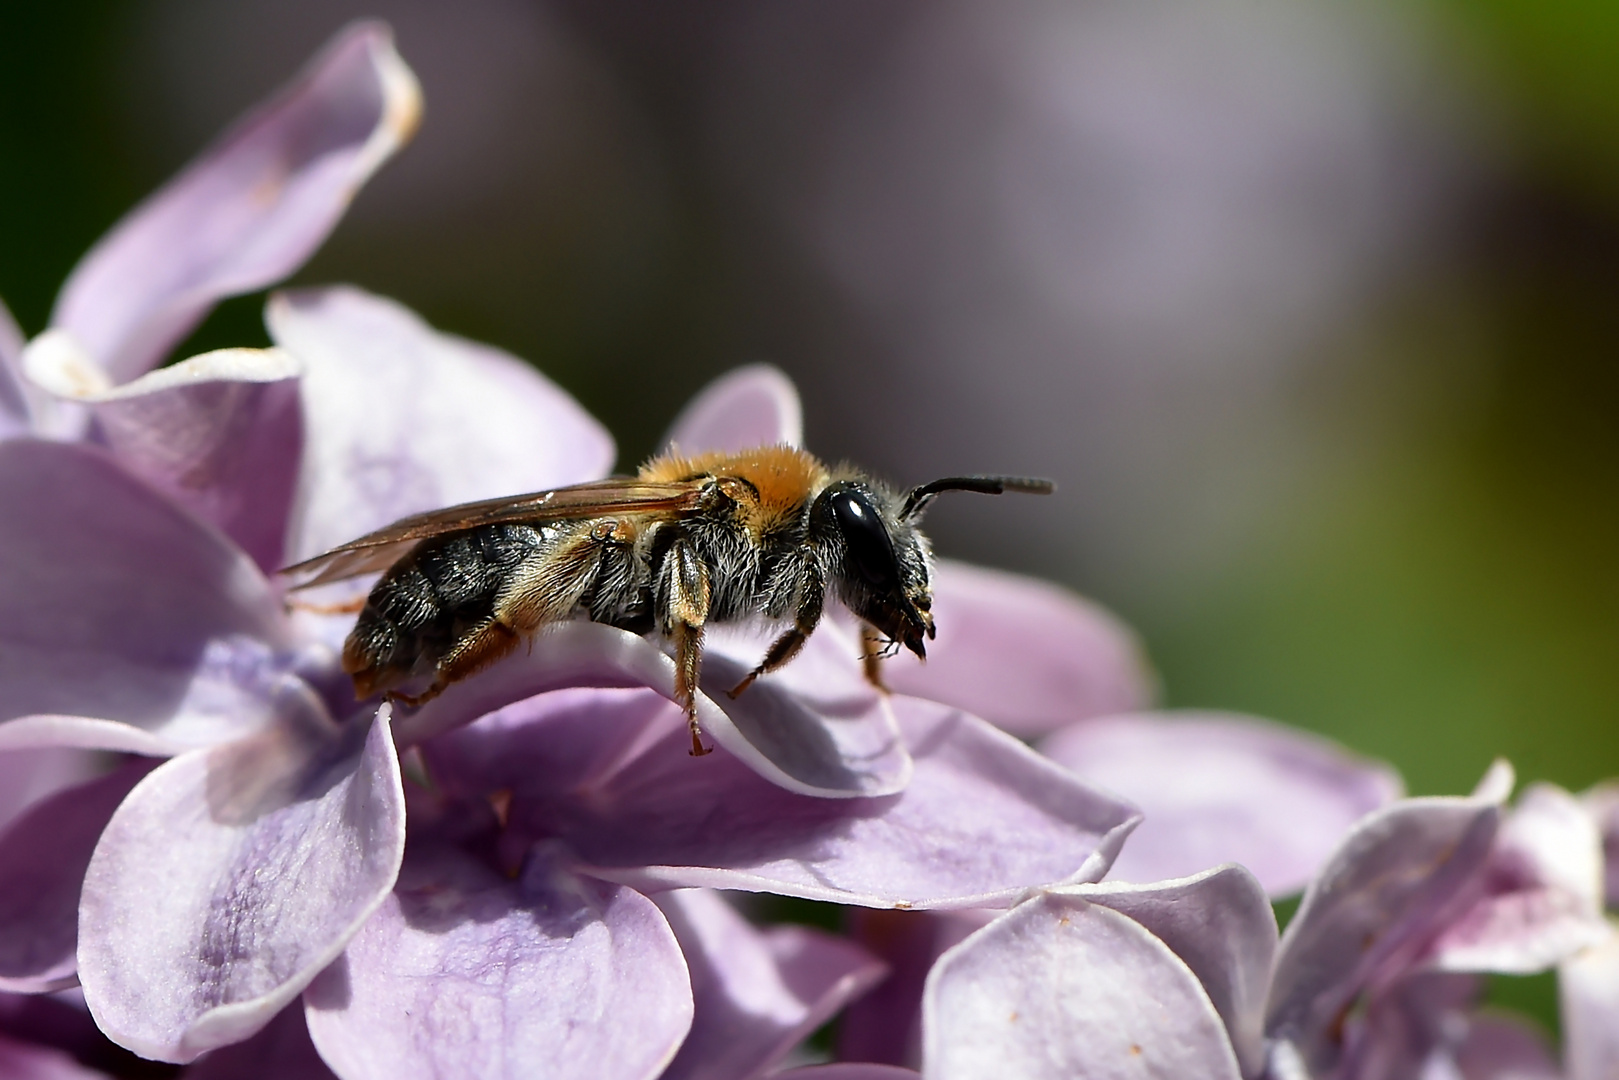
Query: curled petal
[1394,880]
[751,406]
[1221,925]
[1540,894]
[1026,655]
[29,775]
[1220,788]
[983,818]
[1061,987]
[43,856]
[221,434]
[463,973]
[117,605]
[25,1061]
[758,993]
[230,877]
[1589,988]
[249,211]
[844,749]
[399,418]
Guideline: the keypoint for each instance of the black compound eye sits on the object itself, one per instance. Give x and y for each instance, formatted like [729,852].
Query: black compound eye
[871,550]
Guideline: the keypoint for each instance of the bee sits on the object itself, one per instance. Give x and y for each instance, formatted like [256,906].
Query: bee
[769,534]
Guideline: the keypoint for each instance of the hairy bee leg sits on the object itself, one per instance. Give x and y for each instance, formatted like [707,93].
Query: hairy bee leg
[471,653]
[688,611]
[783,649]
[414,700]
[871,656]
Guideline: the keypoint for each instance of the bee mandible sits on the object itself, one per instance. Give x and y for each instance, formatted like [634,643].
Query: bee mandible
[768,534]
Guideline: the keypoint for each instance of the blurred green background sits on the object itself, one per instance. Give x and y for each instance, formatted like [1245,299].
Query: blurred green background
[1434,579]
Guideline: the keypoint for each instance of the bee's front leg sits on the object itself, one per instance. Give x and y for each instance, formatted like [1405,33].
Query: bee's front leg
[811,601]
[688,596]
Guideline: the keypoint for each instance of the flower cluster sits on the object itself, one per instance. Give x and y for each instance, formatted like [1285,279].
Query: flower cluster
[211,855]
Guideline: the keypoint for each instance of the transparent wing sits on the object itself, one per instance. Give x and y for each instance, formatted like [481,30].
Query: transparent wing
[597,498]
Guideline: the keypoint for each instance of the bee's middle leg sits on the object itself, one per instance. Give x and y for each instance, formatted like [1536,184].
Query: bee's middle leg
[810,605]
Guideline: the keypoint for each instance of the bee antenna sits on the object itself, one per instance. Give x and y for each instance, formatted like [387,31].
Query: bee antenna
[917,499]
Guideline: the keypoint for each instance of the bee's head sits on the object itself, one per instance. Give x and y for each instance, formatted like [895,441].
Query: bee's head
[879,557]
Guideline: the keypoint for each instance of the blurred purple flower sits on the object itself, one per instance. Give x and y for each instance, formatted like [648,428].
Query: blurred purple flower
[1375,978]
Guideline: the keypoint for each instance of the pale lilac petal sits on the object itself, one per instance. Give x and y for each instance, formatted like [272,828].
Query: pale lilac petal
[1541,892]
[230,877]
[43,856]
[848,1070]
[1026,655]
[221,434]
[15,410]
[1588,986]
[1500,1047]
[24,1061]
[117,605]
[1221,925]
[464,973]
[758,993]
[30,775]
[399,418]
[1220,788]
[1410,1029]
[983,818]
[282,1051]
[1602,803]
[249,211]
[1059,987]
[841,749]
[751,406]
[1380,898]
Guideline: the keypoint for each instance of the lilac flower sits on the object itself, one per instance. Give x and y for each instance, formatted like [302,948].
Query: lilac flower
[1373,979]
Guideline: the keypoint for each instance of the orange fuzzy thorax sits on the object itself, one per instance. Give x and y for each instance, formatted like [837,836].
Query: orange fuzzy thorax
[785,477]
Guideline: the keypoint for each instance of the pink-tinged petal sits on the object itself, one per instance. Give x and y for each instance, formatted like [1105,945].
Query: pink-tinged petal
[1026,655]
[30,775]
[848,1070]
[1602,803]
[15,408]
[751,406]
[282,1051]
[1410,1029]
[1221,925]
[230,877]
[1504,1048]
[464,973]
[399,418]
[885,1026]
[249,211]
[758,993]
[983,818]
[25,1061]
[843,749]
[220,434]
[1219,788]
[1060,987]
[1540,896]
[43,856]
[1588,987]
[116,604]
[1392,883]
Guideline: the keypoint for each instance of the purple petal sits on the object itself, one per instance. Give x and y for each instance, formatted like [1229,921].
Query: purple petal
[1221,925]
[463,973]
[751,406]
[842,749]
[1410,1029]
[15,411]
[983,818]
[1026,655]
[1503,1048]
[758,994]
[1395,879]
[31,775]
[282,1051]
[24,1061]
[1589,988]
[116,605]
[230,877]
[221,434]
[43,856]
[249,211]
[1219,788]
[1602,803]
[848,1070]
[399,418]
[1541,892]
[1060,987]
